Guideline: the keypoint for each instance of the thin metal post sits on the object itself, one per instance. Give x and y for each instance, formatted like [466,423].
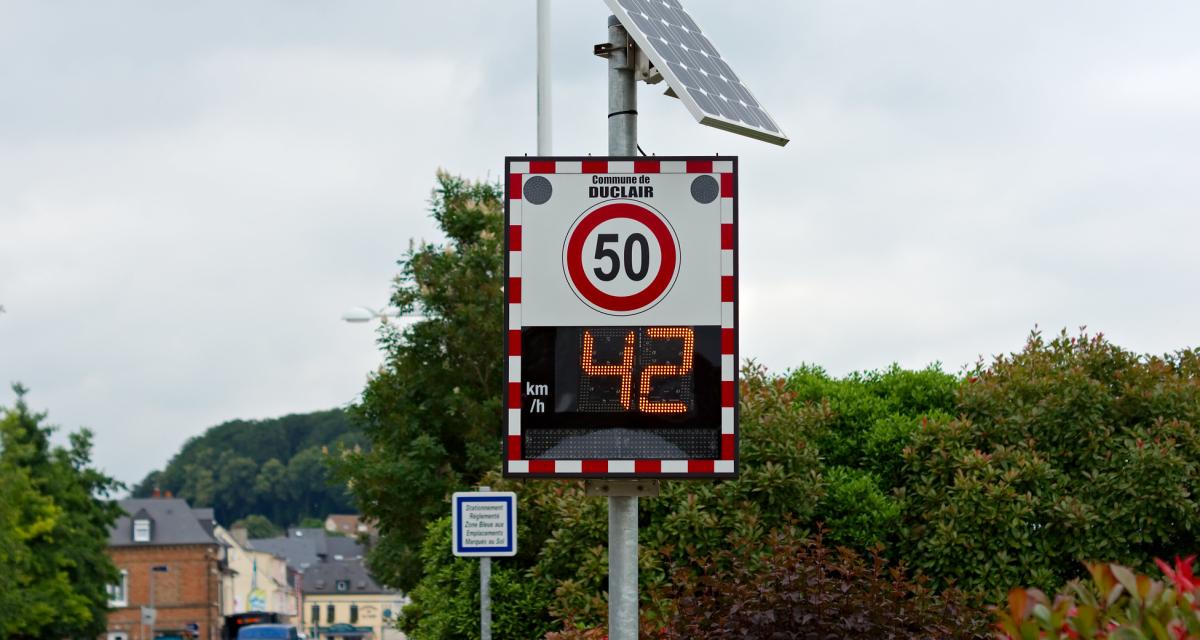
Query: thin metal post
[485,593]
[622,567]
[622,93]
[544,140]
[622,510]
[485,599]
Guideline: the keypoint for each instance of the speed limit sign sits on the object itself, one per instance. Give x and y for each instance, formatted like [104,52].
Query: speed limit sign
[635,262]
[622,317]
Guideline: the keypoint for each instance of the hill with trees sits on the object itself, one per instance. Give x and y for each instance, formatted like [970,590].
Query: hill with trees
[274,468]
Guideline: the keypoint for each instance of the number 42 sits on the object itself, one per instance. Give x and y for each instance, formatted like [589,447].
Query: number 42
[624,370]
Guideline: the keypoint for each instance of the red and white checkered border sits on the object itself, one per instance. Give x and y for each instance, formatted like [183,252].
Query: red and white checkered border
[724,171]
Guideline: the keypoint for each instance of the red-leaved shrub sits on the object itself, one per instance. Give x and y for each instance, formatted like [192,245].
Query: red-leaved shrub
[786,586]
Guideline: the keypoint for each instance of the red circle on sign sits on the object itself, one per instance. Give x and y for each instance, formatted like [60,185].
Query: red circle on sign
[606,301]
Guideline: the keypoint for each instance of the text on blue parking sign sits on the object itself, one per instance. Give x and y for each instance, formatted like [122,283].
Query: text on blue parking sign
[485,523]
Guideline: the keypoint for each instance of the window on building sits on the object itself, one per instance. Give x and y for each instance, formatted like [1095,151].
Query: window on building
[343,585]
[316,613]
[329,614]
[141,531]
[353,613]
[118,594]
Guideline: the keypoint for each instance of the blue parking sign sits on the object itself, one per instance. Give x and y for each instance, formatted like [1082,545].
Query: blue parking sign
[485,523]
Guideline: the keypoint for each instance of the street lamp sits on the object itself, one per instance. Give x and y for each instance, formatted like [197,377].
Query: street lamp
[359,315]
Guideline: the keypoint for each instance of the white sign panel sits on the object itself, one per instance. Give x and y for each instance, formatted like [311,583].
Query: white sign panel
[484,523]
[622,316]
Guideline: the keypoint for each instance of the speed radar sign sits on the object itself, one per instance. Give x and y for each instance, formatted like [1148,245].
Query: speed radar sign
[622,311]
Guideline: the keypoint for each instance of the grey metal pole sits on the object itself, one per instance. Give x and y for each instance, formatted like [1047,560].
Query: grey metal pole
[485,594]
[544,140]
[622,510]
[622,93]
[485,599]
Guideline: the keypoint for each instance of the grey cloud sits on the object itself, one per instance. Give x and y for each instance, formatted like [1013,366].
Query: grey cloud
[191,193]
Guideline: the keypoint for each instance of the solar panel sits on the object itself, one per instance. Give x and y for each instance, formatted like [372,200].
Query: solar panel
[694,69]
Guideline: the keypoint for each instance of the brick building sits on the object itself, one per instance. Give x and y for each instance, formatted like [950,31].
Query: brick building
[164,542]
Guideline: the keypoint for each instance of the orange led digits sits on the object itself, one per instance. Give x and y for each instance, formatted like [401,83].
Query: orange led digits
[689,343]
[623,370]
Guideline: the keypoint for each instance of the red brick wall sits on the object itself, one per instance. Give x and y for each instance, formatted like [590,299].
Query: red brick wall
[189,592]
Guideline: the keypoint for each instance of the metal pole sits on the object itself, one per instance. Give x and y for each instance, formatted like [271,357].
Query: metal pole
[622,510]
[485,594]
[622,93]
[544,141]
[485,599]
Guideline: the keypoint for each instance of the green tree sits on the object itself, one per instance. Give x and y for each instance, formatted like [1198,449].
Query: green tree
[23,514]
[308,483]
[235,484]
[271,490]
[257,526]
[56,515]
[432,413]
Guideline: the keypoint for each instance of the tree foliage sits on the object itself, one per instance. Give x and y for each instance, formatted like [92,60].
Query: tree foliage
[1071,450]
[869,417]
[271,468]
[55,515]
[257,526]
[432,412]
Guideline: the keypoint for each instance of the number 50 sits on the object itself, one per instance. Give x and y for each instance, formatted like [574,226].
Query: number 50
[614,261]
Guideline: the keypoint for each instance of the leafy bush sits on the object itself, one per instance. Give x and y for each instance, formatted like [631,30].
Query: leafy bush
[783,586]
[1117,604]
[564,536]
[867,420]
[1071,449]
[445,604]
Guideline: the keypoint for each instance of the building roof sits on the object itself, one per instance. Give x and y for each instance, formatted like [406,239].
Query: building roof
[304,548]
[350,524]
[344,523]
[324,578]
[174,523]
[300,554]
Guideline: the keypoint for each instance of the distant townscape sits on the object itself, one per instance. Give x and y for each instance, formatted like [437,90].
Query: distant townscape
[183,574]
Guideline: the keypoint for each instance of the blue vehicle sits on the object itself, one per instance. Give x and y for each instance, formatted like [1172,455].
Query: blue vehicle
[268,632]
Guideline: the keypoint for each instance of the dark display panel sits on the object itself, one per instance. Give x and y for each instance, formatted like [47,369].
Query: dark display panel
[618,393]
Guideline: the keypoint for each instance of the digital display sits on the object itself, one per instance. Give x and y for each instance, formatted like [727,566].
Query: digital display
[646,369]
[641,392]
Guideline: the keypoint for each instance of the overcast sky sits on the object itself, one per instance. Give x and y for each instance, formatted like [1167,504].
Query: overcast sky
[192,192]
